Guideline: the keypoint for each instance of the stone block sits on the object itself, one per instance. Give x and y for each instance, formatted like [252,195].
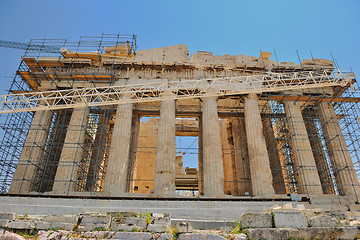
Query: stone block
[61,218]
[157,228]
[324,233]
[165,236]
[132,235]
[7,216]
[323,221]
[4,222]
[256,220]
[123,214]
[200,236]
[21,224]
[96,218]
[125,227]
[91,226]
[289,219]
[158,215]
[162,220]
[137,221]
[183,227]
[51,225]
[354,207]
[268,233]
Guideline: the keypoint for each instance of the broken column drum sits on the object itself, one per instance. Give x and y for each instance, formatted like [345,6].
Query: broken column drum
[254,139]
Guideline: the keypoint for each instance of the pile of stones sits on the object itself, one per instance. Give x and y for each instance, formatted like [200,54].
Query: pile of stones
[279,222]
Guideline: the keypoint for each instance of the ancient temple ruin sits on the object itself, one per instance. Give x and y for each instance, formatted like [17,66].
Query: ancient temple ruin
[100,118]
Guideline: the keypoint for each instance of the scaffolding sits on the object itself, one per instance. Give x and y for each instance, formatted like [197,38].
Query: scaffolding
[89,78]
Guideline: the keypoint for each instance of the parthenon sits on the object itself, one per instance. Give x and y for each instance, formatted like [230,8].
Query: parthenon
[103,121]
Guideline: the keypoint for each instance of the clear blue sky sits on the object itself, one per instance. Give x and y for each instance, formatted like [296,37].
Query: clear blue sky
[233,27]
[222,27]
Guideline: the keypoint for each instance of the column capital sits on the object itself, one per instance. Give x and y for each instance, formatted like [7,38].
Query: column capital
[252,96]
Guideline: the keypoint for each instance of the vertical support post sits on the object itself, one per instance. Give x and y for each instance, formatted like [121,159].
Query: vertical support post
[327,184]
[118,163]
[31,153]
[71,154]
[166,150]
[306,173]
[261,177]
[213,170]
[343,167]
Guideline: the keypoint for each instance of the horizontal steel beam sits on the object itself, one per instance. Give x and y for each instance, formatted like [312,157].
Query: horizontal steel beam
[163,89]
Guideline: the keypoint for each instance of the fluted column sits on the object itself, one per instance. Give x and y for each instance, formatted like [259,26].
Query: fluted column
[166,150]
[343,167]
[118,163]
[261,177]
[306,172]
[71,154]
[31,153]
[213,170]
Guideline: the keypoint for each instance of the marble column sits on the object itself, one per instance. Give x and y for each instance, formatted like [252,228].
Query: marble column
[166,150]
[31,153]
[318,152]
[213,170]
[118,163]
[343,167]
[261,176]
[306,174]
[71,154]
[241,168]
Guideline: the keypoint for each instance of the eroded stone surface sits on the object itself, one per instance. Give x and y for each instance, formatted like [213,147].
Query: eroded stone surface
[132,235]
[256,220]
[289,219]
[323,221]
[200,236]
[183,227]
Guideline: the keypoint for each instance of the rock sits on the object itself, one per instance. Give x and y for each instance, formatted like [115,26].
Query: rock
[157,228]
[89,234]
[91,226]
[132,235]
[137,221]
[289,219]
[125,227]
[53,225]
[324,233]
[183,227]
[13,236]
[165,236]
[93,217]
[287,206]
[164,220]
[323,221]
[158,215]
[276,207]
[7,216]
[355,223]
[300,207]
[344,223]
[21,224]
[4,222]
[61,218]
[239,236]
[256,220]
[200,236]
[104,234]
[268,233]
